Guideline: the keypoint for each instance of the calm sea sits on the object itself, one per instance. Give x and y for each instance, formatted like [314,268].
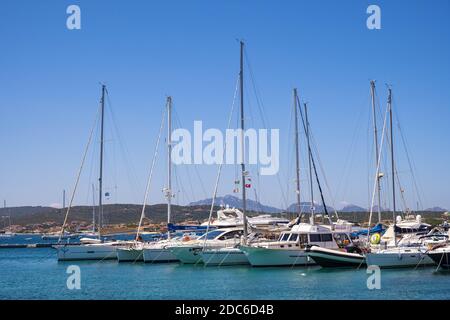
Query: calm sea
[36,274]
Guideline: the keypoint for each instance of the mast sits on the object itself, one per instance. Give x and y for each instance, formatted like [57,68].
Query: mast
[297,158]
[93,208]
[100,179]
[392,161]
[241,82]
[64,199]
[169,162]
[372,92]
[309,164]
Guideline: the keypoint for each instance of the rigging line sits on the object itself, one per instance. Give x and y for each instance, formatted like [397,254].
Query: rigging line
[147,189]
[178,122]
[258,167]
[91,166]
[78,175]
[131,173]
[289,161]
[411,164]
[343,182]
[216,186]
[178,177]
[260,106]
[316,151]
[377,172]
[314,164]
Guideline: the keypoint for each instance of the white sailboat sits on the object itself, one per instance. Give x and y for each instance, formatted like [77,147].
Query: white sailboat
[157,252]
[90,249]
[189,252]
[233,255]
[290,248]
[9,233]
[393,253]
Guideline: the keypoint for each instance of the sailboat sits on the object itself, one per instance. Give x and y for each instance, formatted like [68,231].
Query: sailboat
[89,248]
[232,255]
[398,252]
[155,252]
[9,233]
[291,247]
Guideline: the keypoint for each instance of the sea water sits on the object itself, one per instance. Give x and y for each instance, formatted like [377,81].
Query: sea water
[35,273]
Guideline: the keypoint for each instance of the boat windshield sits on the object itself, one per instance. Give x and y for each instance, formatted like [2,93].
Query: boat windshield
[210,235]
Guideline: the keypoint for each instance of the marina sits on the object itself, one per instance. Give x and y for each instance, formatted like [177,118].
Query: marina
[233,151]
[38,275]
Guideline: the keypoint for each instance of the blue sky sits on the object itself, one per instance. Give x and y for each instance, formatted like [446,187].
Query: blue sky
[146,50]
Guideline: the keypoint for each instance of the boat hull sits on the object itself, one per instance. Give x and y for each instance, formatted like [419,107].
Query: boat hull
[130,255]
[187,254]
[397,259]
[269,257]
[158,255]
[328,258]
[440,258]
[224,257]
[86,252]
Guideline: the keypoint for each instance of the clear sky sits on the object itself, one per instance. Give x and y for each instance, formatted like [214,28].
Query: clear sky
[146,50]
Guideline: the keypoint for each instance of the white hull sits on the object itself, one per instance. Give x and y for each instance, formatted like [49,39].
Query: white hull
[158,255]
[265,257]
[130,255]
[187,254]
[398,258]
[86,252]
[224,257]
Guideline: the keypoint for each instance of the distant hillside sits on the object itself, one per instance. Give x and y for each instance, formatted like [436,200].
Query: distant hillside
[113,214]
[436,209]
[130,213]
[352,208]
[236,202]
[306,207]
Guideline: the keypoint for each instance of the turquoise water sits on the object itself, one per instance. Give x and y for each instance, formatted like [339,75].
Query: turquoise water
[36,274]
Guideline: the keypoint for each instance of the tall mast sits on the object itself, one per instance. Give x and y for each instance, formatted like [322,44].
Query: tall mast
[392,161]
[93,208]
[241,82]
[297,158]
[169,161]
[372,92]
[64,199]
[309,164]
[100,179]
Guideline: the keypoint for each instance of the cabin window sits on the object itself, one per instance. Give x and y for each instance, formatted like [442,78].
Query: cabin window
[326,237]
[285,237]
[210,235]
[303,239]
[342,239]
[231,235]
[314,237]
[293,237]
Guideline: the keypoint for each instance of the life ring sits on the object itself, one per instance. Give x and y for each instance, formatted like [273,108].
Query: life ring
[375,238]
[186,238]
